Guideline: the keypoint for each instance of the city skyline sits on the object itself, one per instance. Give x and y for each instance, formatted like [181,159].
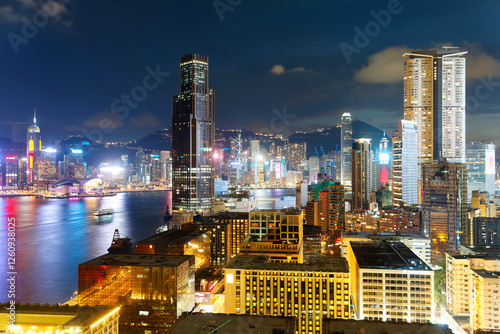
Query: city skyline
[317,78]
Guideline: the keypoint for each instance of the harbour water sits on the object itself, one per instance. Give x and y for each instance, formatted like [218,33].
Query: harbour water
[53,236]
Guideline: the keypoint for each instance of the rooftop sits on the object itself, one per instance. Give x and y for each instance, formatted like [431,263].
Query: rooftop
[386,255]
[368,235]
[205,323]
[286,211]
[232,215]
[338,326]
[487,274]
[321,264]
[444,51]
[311,230]
[172,237]
[83,315]
[142,260]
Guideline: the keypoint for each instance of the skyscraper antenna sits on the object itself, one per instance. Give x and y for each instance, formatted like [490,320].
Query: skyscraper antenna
[34,116]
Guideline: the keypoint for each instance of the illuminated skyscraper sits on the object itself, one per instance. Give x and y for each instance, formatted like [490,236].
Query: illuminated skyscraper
[444,207]
[434,98]
[361,172]
[193,138]
[480,168]
[404,164]
[34,146]
[346,150]
[384,158]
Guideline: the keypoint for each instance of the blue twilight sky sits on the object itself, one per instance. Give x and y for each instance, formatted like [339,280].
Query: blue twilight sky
[73,64]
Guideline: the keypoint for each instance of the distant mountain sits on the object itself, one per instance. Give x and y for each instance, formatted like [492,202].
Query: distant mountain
[160,140]
[8,145]
[330,138]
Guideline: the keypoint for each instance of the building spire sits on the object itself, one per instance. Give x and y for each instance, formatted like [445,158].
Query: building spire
[34,116]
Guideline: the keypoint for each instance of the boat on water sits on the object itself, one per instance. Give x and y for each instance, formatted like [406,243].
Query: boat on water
[103,212]
[167,217]
[119,245]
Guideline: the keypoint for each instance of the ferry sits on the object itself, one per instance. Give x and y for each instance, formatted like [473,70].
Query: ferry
[103,212]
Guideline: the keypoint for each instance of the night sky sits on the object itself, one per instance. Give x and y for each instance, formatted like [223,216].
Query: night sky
[264,55]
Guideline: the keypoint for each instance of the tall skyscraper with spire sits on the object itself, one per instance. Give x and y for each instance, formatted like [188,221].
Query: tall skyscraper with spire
[33,149]
[193,138]
[346,150]
[434,98]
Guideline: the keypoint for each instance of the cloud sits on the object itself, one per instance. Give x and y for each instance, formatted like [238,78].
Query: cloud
[54,9]
[479,63]
[279,69]
[106,119]
[384,67]
[145,121]
[7,14]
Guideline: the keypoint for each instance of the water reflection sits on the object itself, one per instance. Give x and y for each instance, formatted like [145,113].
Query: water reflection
[53,236]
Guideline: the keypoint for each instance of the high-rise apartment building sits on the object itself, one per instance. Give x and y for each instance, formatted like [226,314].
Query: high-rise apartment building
[405,164]
[480,168]
[346,150]
[434,98]
[444,207]
[361,172]
[193,138]
[33,149]
[310,292]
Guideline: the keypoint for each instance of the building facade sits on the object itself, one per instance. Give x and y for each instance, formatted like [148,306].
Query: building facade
[33,149]
[346,150]
[480,168]
[444,207]
[307,291]
[193,138]
[434,98]
[361,172]
[405,164]
[390,283]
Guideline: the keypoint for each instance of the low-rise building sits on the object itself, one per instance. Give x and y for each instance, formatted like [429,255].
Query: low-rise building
[459,280]
[338,326]
[178,242]
[205,323]
[52,319]
[153,289]
[310,292]
[484,308]
[417,243]
[390,283]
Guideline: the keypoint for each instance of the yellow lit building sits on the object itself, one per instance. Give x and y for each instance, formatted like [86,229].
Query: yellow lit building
[153,289]
[52,319]
[310,292]
[459,269]
[390,283]
[484,308]
[277,234]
